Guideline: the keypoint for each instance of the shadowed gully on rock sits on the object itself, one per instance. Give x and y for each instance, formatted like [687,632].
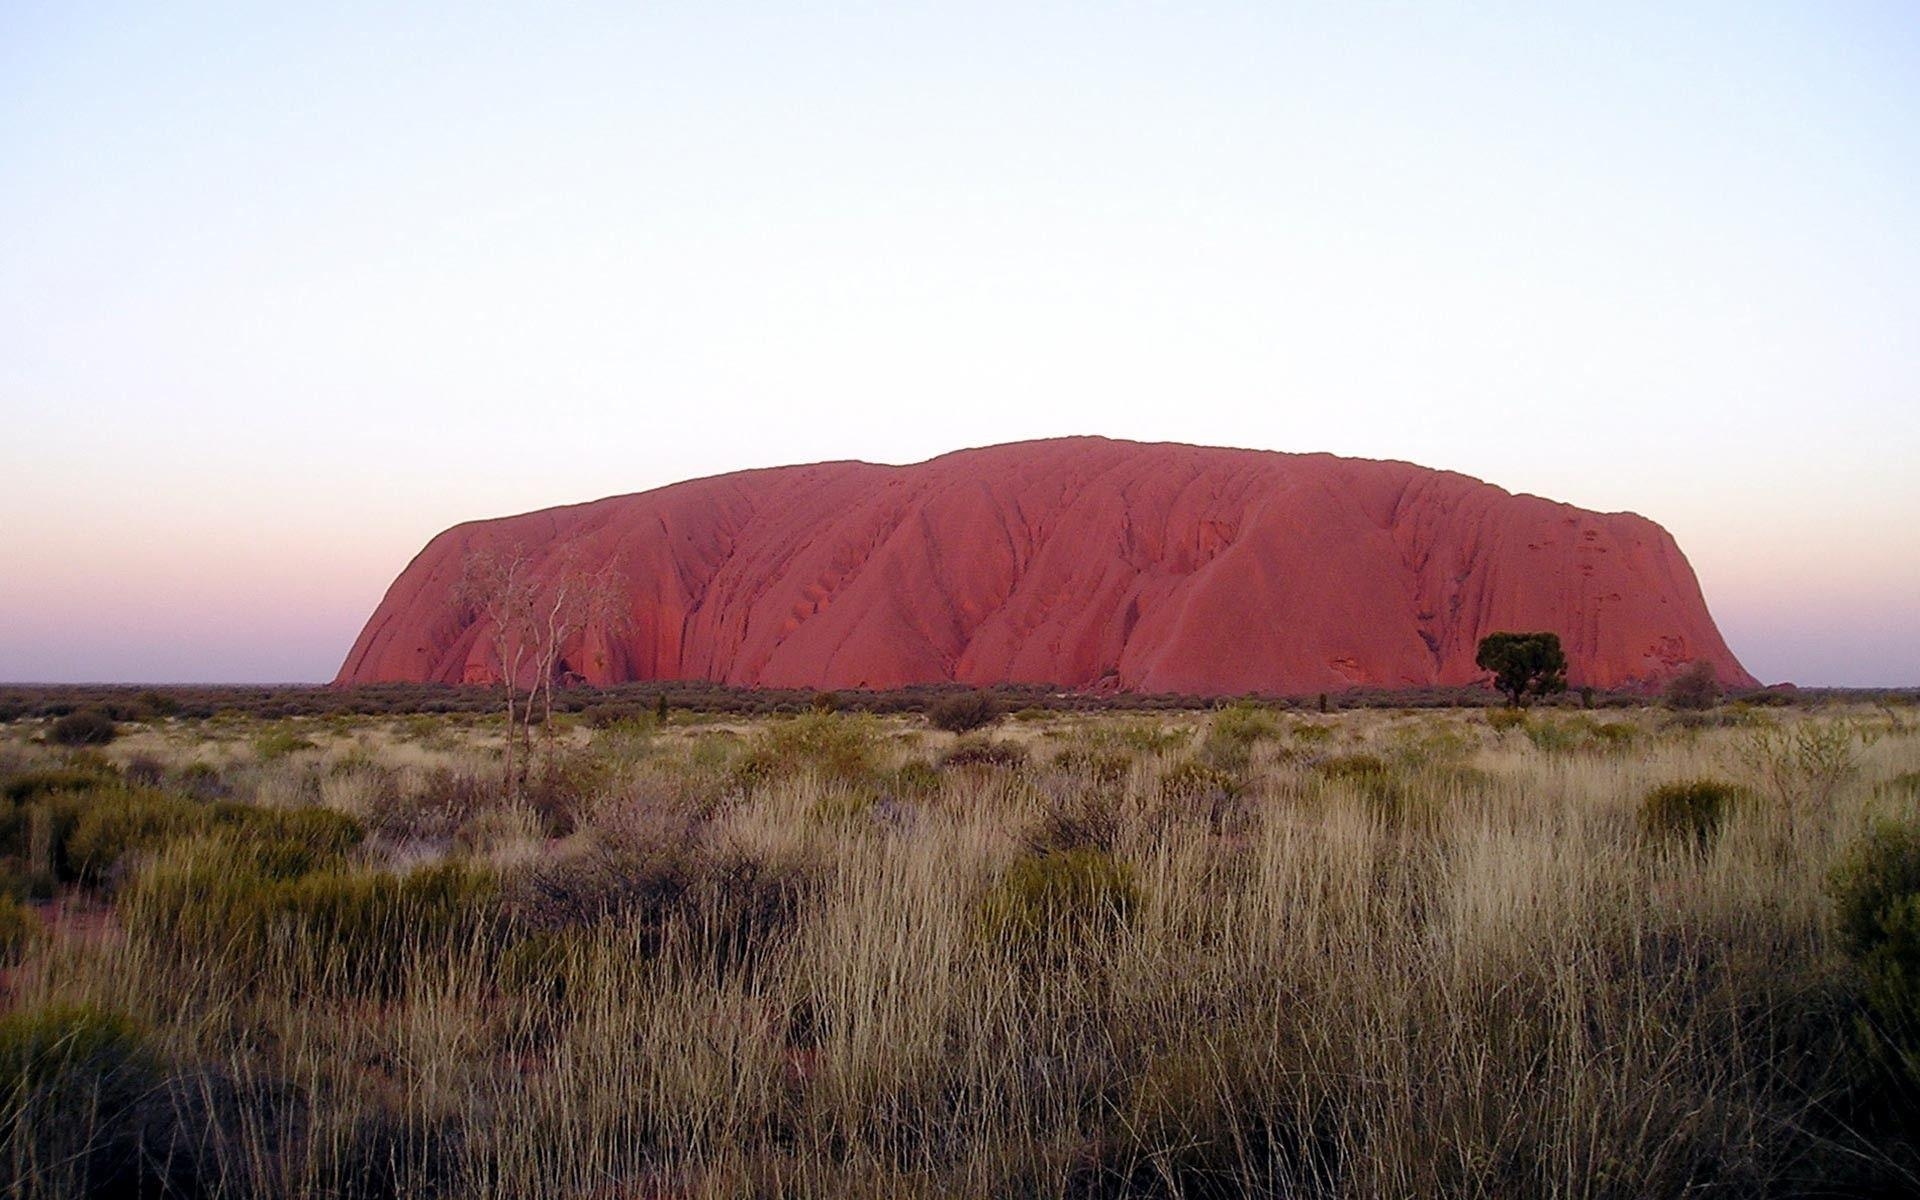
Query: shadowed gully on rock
[1082,562]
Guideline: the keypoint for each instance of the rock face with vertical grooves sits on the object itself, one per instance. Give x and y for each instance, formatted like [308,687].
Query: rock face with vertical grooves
[1081,562]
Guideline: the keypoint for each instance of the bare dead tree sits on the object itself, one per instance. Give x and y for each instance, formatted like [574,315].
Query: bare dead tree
[578,600]
[497,584]
[532,613]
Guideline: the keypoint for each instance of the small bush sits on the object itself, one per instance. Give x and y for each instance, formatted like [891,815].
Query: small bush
[1065,895]
[19,929]
[665,884]
[33,785]
[1077,820]
[444,801]
[537,967]
[73,1081]
[203,781]
[1104,768]
[1696,687]
[1373,779]
[87,727]
[1550,736]
[1309,734]
[560,791]
[984,752]
[347,932]
[1235,730]
[278,743]
[1193,779]
[1691,810]
[1610,736]
[830,745]
[145,771]
[964,713]
[1876,893]
[914,779]
[1503,719]
[1353,768]
[117,824]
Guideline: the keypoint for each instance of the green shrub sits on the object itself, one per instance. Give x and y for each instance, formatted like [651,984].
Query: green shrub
[915,779]
[1104,768]
[975,751]
[145,771]
[89,835]
[666,885]
[1076,820]
[1194,779]
[1503,719]
[1695,688]
[278,742]
[1309,734]
[1690,810]
[1353,768]
[19,929]
[1064,895]
[562,788]
[1874,878]
[33,785]
[1246,723]
[1551,737]
[964,713]
[322,831]
[1234,732]
[87,727]
[830,745]
[351,932]
[119,823]
[538,966]
[1146,737]
[73,1085]
[1372,779]
[1876,893]
[1610,736]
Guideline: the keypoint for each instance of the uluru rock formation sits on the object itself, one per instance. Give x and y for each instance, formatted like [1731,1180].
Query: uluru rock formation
[1080,562]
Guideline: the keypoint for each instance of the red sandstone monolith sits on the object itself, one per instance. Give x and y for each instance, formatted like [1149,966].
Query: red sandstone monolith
[1081,562]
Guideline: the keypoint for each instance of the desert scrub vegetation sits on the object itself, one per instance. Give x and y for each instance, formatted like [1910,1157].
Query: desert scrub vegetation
[1237,952]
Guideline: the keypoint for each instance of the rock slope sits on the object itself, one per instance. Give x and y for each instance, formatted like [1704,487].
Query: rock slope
[1082,562]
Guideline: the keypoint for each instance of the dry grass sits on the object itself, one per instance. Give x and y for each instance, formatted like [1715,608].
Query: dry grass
[1370,954]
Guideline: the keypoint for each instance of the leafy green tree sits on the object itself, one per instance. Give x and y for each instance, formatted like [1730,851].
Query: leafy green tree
[1524,664]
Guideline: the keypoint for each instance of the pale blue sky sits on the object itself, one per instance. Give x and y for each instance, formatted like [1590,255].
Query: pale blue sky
[285,290]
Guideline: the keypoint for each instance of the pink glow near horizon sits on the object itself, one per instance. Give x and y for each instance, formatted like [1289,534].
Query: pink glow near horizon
[234,600]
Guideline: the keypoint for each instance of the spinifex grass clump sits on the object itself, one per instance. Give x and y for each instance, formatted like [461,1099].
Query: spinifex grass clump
[830,745]
[1690,811]
[1876,893]
[257,906]
[20,928]
[1374,780]
[1196,779]
[1059,897]
[78,1111]
[1234,733]
[977,751]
